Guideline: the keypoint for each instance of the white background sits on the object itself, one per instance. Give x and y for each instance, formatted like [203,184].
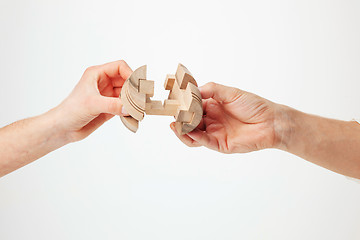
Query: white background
[120,185]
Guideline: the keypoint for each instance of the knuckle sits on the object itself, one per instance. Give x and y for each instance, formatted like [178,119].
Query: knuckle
[120,63]
[90,69]
[211,84]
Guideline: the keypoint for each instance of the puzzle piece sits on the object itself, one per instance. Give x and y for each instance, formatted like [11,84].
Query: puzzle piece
[184,100]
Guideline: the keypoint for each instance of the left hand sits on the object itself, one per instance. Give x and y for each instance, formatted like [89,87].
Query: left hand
[234,121]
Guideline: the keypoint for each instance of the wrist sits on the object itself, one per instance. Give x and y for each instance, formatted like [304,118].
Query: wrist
[53,121]
[285,119]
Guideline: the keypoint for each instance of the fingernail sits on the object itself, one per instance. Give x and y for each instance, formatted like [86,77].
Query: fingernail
[124,112]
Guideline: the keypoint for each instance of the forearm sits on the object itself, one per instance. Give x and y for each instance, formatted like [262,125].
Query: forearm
[27,140]
[94,100]
[332,144]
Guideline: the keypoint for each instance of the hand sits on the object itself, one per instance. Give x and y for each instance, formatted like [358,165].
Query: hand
[234,121]
[94,100]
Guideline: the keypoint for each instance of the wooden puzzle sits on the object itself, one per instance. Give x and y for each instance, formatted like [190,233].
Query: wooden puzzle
[184,100]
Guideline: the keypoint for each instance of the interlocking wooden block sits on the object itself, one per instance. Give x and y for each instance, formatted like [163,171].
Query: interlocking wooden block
[146,87]
[183,77]
[184,100]
[169,82]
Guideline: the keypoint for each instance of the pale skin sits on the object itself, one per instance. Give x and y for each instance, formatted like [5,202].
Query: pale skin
[93,101]
[234,121]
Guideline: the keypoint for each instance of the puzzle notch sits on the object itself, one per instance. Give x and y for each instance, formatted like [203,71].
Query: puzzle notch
[184,100]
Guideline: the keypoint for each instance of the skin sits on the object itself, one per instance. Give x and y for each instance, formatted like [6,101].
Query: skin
[93,101]
[236,121]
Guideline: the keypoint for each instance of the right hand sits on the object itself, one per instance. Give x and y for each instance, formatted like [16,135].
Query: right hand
[234,121]
[94,100]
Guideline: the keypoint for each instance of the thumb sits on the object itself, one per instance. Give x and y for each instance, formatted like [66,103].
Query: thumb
[111,105]
[220,92]
[204,139]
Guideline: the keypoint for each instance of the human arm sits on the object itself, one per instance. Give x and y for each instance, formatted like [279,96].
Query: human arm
[236,121]
[93,101]
[330,143]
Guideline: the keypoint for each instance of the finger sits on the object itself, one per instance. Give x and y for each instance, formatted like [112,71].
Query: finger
[202,125]
[118,82]
[117,91]
[204,139]
[220,92]
[111,105]
[116,69]
[212,109]
[184,138]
